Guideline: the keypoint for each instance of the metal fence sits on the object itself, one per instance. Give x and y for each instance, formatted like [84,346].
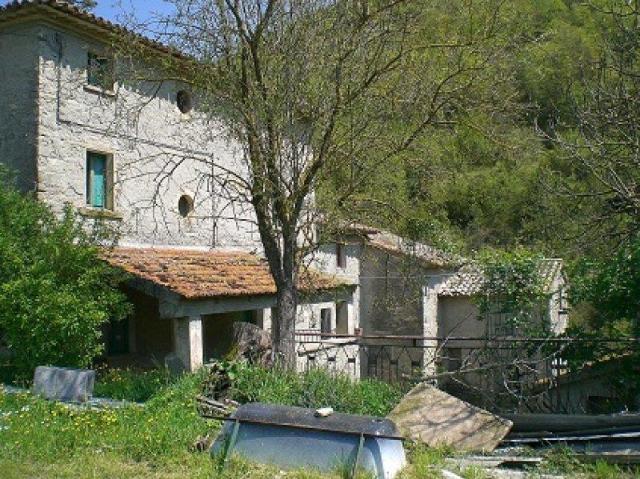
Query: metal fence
[503,374]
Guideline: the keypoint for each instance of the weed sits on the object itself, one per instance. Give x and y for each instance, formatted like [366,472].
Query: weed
[315,388]
[132,385]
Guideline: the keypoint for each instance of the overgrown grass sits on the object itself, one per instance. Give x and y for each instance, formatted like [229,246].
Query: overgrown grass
[39,438]
[36,429]
[130,384]
[424,461]
[562,460]
[314,388]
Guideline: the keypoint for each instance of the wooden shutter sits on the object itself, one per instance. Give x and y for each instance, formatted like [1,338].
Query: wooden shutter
[97,180]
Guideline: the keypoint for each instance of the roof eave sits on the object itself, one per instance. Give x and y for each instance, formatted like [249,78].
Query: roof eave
[81,23]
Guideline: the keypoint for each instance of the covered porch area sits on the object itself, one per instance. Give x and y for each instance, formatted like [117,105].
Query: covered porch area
[187,301]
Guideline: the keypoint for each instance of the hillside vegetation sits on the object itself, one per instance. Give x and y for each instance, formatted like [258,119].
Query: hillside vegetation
[541,154]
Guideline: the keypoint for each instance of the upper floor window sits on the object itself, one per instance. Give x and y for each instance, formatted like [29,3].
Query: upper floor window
[99,180]
[100,71]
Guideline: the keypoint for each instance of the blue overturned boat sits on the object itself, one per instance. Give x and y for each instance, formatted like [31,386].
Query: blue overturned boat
[292,437]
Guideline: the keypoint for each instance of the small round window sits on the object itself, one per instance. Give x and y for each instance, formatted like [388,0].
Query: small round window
[185,205]
[184,102]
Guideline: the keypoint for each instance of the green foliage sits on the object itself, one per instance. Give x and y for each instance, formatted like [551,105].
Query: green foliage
[489,176]
[130,384]
[513,289]
[55,292]
[612,287]
[313,389]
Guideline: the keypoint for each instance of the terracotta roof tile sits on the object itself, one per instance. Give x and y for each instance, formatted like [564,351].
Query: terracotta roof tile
[469,279]
[197,274]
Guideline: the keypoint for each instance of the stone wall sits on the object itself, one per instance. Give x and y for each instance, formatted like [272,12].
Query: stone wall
[18,101]
[158,152]
[393,292]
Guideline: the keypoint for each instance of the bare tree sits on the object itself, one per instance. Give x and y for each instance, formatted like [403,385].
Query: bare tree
[307,87]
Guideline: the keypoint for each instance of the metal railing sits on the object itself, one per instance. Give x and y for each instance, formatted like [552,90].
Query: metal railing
[503,374]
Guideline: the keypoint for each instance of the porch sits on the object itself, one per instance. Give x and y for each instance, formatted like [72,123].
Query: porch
[187,301]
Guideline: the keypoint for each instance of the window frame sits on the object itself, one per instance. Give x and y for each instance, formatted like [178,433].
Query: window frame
[107,83]
[108,180]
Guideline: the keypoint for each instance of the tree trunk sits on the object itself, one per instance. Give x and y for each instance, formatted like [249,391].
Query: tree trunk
[283,327]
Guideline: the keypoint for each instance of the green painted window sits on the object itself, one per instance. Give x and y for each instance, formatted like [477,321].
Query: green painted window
[98,180]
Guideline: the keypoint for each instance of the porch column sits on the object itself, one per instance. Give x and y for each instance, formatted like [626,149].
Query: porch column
[429,325]
[187,334]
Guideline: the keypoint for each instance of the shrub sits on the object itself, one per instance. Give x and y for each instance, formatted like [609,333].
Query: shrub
[55,291]
[513,291]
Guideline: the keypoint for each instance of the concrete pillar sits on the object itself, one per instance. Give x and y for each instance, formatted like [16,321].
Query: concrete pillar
[188,347]
[430,325]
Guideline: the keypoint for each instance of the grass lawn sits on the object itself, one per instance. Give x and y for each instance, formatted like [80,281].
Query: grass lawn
[45,439]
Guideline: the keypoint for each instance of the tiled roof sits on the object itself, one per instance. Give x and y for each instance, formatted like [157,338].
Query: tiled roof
[23,7]
[196,274]
[395,244]
[469,279]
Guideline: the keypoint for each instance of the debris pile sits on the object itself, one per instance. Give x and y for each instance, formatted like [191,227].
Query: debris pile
[215,400]
[612,438]
[251,344]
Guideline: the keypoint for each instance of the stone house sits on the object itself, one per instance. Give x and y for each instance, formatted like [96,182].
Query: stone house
[412,296]
[460,322]
[138,157]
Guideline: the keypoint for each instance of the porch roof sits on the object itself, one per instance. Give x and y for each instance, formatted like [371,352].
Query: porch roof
[197,274]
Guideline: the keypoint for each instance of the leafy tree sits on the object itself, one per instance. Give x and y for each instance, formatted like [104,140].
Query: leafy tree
[612,287]
[55,291]
[513,292]
[600,172]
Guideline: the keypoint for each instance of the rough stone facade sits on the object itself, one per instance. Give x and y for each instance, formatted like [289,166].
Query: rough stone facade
[158,153]
[19,59]
[51,117]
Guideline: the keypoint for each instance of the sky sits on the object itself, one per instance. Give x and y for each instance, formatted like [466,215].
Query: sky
[113,9]
[141,9]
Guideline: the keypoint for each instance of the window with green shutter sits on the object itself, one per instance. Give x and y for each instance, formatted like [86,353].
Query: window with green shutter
[98,180]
